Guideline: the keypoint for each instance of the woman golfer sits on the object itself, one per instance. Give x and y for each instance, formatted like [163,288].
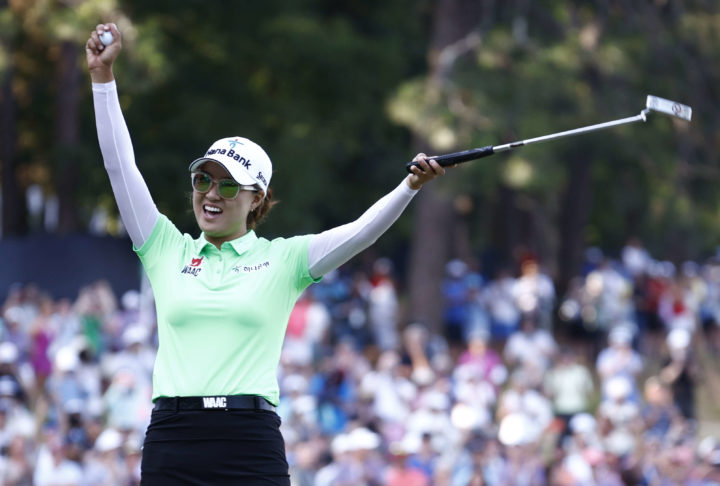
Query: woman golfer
[223,299]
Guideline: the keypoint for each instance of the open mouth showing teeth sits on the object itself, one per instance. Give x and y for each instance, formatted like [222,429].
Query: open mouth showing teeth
[212,209]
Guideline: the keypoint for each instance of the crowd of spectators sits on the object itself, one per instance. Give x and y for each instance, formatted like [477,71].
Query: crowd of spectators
[517,386]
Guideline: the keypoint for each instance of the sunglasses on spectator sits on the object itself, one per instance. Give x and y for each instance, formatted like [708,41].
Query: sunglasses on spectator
[227,188]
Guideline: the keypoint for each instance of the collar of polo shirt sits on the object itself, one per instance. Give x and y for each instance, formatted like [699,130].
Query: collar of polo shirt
[240,245]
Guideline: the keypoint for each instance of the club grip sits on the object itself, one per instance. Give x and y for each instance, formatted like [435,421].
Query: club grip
[458,157]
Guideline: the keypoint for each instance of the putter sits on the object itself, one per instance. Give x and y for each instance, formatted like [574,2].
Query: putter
[653,103]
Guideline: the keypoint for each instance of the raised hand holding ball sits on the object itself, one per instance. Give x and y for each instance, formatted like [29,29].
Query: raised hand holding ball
[106,38]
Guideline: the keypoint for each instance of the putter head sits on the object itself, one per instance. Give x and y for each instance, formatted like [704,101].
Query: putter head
[672,108]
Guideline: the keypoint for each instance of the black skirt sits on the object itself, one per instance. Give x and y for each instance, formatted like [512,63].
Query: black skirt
[214,447]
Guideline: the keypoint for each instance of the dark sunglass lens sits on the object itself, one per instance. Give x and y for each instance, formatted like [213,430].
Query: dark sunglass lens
[228,189]
[201,182]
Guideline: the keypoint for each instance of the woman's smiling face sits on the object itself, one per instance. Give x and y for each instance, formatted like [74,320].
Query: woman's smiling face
[222,219]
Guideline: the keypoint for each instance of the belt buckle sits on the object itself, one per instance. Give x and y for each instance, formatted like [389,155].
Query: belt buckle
[214,402]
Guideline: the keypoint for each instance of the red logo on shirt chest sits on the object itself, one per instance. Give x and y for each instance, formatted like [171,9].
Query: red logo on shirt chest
[194,267]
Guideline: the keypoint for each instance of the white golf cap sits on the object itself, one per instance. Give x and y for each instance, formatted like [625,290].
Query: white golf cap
[246,161]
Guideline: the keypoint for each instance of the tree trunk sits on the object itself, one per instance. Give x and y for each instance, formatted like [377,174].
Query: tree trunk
[428,254]
[67,132]
[573,220]
[433,213]
[14,207]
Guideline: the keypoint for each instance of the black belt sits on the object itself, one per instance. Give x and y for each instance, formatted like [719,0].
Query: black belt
[232,402]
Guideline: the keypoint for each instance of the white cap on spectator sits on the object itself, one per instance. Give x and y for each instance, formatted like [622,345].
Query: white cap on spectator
[66,359]
[135,334]
[363,439]
[582,423]
[131,300]
[456,268]
[14,314]
[436,400]
[108,440]
[388,360]
[620,334]
[8,353]
[423,375]
[578,466]
[467,372]
[408,445]
[295,383]
[515,429]
[340,444]
[133,444]
[678,339]
[304,404]
[619,442]
[618,387]
[8,386]
[74,405]
[467,417]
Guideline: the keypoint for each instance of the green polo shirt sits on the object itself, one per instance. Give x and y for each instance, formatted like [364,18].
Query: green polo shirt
[222,313]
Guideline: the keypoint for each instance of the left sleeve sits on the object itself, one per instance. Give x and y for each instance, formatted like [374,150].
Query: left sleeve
[330,249]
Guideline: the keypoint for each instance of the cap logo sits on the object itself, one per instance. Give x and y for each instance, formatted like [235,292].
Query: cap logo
[234,142]
[238,158]
[261,177]
[219,151]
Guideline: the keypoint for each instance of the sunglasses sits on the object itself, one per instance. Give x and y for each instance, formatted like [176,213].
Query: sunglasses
[227,188]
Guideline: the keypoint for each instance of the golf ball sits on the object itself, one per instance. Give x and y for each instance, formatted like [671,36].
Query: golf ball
[106,38]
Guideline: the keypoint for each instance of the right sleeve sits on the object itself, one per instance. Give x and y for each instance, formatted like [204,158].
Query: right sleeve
[137,209]
[162,241]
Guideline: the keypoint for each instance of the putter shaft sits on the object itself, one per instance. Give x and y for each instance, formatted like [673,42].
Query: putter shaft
[653,103]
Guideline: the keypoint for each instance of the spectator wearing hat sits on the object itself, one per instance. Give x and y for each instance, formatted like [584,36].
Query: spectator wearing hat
[526,405]
[708,471]
[619,358]
[104,464]
[498,297]
[531,348]
[339,470]
[415,347]
[570,387]
[401,471]
[53,466]
[391,391]
[619,419]
[17,468]
[681,371]
[432,417]
[456,301]
[535,291]
[486,360]
[521,440]
[659,411]
[383,305]
[136,356]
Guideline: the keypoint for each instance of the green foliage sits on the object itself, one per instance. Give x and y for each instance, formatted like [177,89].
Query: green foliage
[334,90]
[306,80]
[576,66]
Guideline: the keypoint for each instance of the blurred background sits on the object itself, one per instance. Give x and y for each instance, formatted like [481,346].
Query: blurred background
[574,278]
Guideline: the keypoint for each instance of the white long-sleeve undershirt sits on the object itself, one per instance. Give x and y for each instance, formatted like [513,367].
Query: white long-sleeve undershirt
[137,208]
[327,250]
